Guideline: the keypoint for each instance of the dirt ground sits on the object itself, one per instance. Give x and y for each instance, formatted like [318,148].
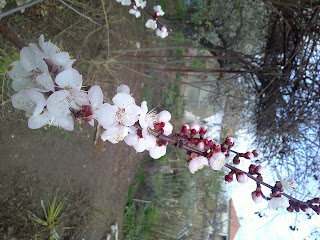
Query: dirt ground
[35,163]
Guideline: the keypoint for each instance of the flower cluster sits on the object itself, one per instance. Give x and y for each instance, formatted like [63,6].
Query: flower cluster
[209,152]
[138,5]
[51,93]
[46,85]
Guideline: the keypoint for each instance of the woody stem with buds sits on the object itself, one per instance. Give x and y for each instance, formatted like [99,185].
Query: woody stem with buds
[177,143]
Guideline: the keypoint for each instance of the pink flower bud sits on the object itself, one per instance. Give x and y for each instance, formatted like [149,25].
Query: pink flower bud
[242,178]
[236,160]
[228,177]
[256,197]
[200,146]
[184,129]
[195,126]
[260,169]
[203,131]
[229,141]
[208,143]
[216,147]
[255,153]
[252,168]
[248,155]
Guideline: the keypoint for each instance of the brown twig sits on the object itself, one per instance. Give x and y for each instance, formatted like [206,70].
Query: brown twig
[10,36]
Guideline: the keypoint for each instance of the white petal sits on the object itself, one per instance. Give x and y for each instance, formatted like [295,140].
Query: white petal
[57,104]
[61,58]
[131,115]
[45,80]
[69,78]
[105,115]
[39,99]
[80,98]
[21,101]
[65,122]
[39,120]
[17,71]
[157,152]
[95,96]
[28,58]
[167,129]
[131,139]
[164,116]
[140,146]
[123,89]
[122,100]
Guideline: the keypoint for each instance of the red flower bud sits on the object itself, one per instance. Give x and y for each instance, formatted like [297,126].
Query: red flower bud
[248,155]
[236,160]
[216,147]
[229,141]
[228,177]
[203,131]
[255,153]
[290,209]
[252,168]
[184,129]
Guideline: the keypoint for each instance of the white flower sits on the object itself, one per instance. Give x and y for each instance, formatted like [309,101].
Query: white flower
[31,101]
[115,134]
[162,32]
[159,11]
[217,160]
[197,163]
[59,102]
[151,24]
[289,184]
[100,110]
[30,72]
[127,111]
[45,118]
[146,119]
[135,11]
[54,54]
[278,202]
[141,3]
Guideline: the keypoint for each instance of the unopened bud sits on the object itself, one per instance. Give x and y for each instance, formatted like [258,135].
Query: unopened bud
[248,155]
[252,168]
[236,160]
[229,141]
[242,177]
[195,128]
[260,169]
[184,129]
[303,207]
[203,131]
[290,209]
[228,177]
[316,200]
[255,153]
[216,147]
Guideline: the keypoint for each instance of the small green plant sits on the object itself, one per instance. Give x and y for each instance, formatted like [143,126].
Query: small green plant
[19,19]
[52,215]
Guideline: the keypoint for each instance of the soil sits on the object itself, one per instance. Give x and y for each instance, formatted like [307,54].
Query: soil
[35,163]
